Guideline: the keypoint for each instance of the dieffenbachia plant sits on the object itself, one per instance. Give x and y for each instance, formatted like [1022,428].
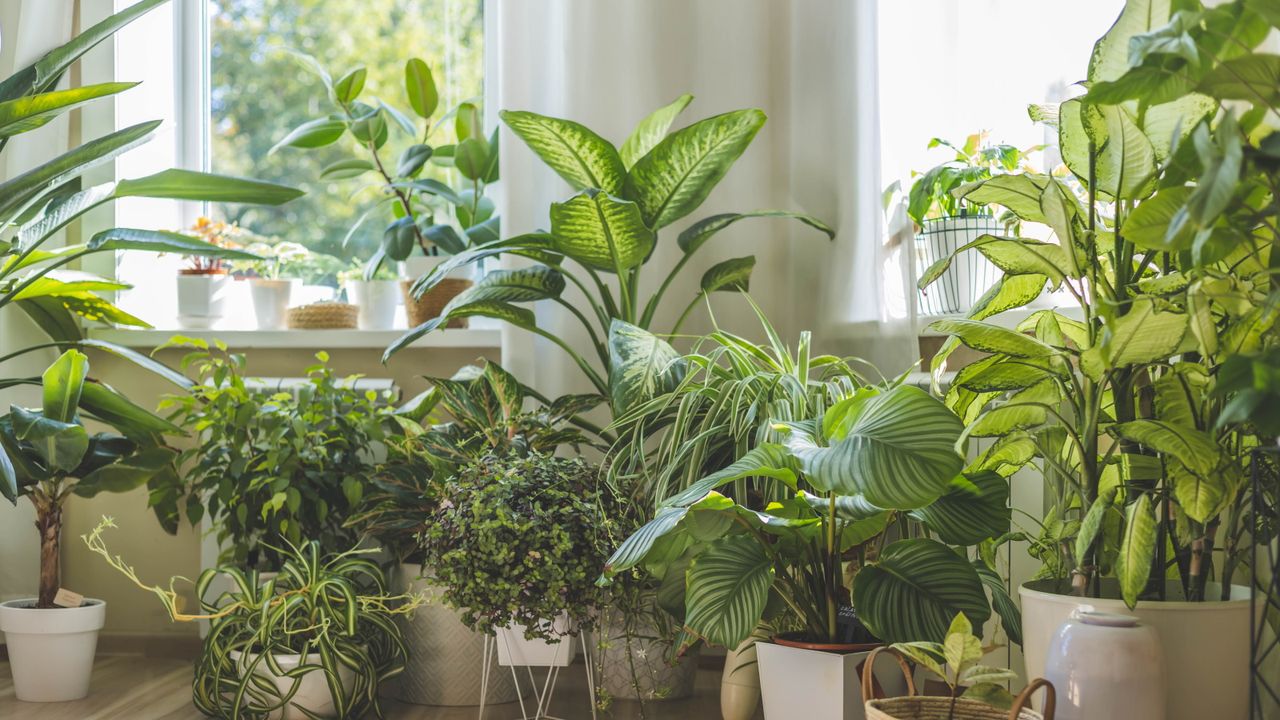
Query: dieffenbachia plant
[1167,250]
[875,460]
[602,238]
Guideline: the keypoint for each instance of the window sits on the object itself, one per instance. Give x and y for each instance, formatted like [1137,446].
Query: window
[245,91]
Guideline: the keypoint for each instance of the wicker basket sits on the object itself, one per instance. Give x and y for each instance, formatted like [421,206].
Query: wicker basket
[324,316]
[921,707]
[432,302]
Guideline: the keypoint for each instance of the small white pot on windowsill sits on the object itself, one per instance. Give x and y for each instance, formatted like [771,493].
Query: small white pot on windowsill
[202,298]
[271,302]
[377,301]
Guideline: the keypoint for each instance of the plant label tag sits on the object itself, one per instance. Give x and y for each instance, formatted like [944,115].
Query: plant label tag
[67,599]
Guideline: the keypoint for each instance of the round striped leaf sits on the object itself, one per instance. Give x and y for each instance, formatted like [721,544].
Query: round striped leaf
[577,154]
[973,509]
[601,232]
[678,174]
[914,590]
[727,587]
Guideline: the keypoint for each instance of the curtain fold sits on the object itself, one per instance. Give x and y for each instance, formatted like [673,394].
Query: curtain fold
[809,64]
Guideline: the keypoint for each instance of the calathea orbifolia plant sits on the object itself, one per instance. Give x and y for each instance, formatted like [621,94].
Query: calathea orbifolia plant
[601,239]
[879,458]
[1167,255]
[426,215]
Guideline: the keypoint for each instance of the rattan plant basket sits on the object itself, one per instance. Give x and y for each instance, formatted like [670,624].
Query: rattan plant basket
[432,302]
[923,707]
[323,316]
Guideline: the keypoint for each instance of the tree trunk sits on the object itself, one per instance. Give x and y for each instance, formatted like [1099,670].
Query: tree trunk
[49,523]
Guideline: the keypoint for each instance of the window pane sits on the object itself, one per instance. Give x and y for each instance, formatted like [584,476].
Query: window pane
[259,92]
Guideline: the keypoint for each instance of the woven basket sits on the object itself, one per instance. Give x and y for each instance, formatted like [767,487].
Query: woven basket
[920,707]
[432,302]
[323,316]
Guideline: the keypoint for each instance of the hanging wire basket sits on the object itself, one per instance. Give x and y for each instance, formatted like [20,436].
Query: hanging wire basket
[970,274]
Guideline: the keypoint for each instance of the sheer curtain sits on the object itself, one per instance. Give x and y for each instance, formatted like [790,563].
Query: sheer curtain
[28,29]
[809,64]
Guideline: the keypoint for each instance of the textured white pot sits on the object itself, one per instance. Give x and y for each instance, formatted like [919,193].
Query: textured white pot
[740,683]
[515,649]
[817,685]
[313,690]
[1106,667]
[51,650]
[1206,643]
[377,301]
[202,299]
[271,302]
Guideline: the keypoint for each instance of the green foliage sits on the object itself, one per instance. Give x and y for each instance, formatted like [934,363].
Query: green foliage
[1138,414]
[271,467]
[520,540]
[956,660]
[931,195]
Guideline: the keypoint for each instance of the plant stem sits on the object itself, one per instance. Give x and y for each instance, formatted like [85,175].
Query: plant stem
[49,523]
[833,569]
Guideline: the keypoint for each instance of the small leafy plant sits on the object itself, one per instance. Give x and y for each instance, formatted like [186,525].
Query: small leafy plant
[519,541]
[956,662]
[931,194]
[331,610]
[271,467]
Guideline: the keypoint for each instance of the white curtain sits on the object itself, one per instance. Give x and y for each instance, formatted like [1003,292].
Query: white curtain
[28,29]
[809,64]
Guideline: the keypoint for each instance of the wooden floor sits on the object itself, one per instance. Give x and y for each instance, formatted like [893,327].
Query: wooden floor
[139,688]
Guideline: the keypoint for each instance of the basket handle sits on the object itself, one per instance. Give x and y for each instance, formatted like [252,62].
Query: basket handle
[868,672]
[1024,697]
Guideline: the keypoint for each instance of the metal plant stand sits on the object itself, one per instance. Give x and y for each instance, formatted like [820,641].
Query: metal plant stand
[541,693]
[1264,568]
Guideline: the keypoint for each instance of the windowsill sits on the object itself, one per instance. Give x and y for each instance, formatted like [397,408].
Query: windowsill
[480,338]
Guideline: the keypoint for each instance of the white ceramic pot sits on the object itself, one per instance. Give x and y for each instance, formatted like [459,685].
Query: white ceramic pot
[415,266]
[515,649]
[970,274]
[313,690]
[377,301]
[202,299]
[271,302]
[740,683]
[1106,667]
[1206,643]
[51,650]
[818,685]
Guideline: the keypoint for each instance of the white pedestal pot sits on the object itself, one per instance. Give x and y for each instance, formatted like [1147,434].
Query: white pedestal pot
[797,682]
[51,650]
[313,689]
[202,299]
[1206,644]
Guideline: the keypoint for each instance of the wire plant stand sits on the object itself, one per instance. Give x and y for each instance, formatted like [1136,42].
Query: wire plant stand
[1264,565]
[970,274]
[542,691]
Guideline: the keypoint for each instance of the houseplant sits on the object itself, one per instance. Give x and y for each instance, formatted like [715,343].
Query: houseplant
[377,297]
[876,459]
[516,543]
[272,276]
[428,219]
[947,222]
[47,457]
[204,283]
[316,641]
[271,467]
[1167,255]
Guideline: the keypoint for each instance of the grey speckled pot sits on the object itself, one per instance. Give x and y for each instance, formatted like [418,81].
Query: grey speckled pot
[616,653]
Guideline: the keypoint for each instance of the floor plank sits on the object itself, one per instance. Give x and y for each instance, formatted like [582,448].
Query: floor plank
[139,688]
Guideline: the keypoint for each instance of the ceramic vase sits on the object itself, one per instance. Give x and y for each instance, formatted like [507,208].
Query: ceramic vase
[1107,666]
[740,683]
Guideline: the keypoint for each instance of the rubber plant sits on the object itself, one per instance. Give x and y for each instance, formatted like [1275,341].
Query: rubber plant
[333,610]
[50,456]
[1164,238]
[602,239]
[879,458]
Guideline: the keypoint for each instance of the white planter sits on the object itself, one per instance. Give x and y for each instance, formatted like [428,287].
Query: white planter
[1106,667]
[271,302]
[818,685]
[51,650]
[515,649]
[418,265]
[377,301]
[970,274]
[740,683]
[1206,644]
[313,690]
[202,299]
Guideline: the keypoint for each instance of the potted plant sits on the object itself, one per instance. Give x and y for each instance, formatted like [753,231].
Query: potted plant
[377,298]
[47,456]
[316,641]
[947,223]
[458,420]
[516,543]
[204,283]
[270,467]
[427,218]
[271,276]
[1165,249]
[876,459]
